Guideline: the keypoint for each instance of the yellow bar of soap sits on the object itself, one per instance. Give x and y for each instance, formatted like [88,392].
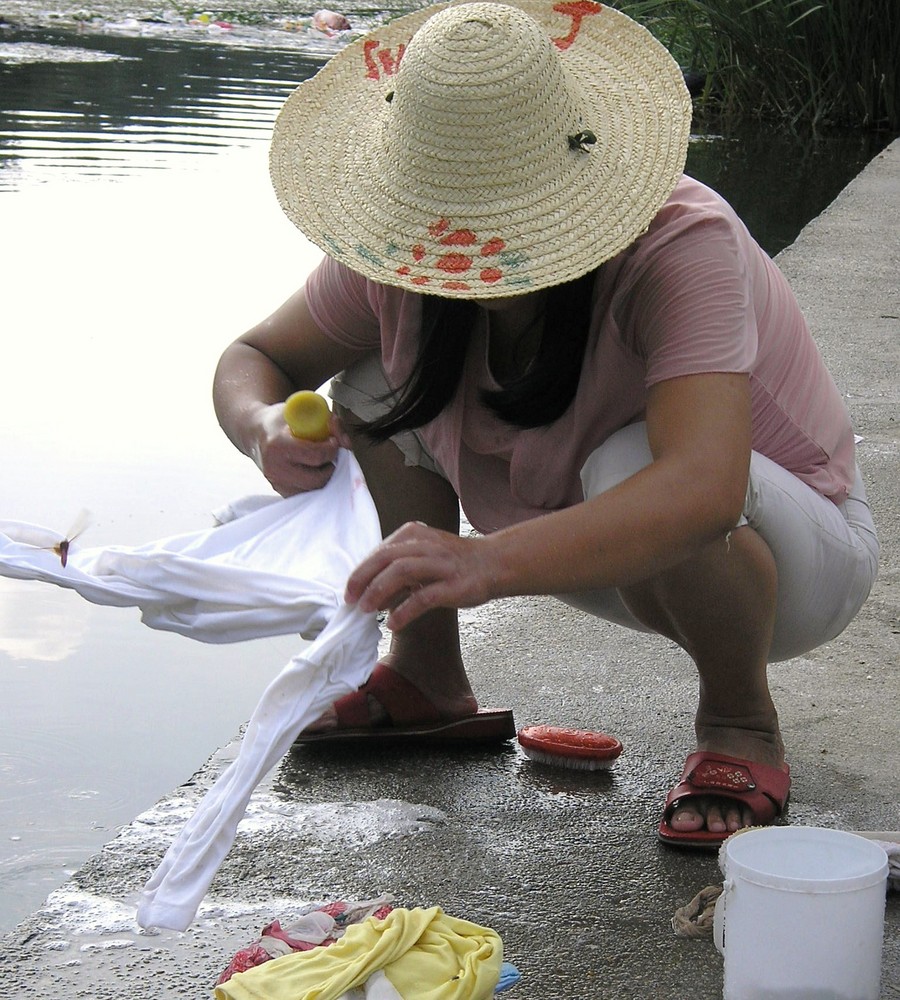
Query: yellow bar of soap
[307,415]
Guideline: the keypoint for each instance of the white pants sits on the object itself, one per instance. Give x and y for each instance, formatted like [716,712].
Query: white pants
[826,555]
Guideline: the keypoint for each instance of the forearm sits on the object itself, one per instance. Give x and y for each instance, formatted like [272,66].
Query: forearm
[245,383]
[283,353]
[693,491]
[254,377]
[630,533]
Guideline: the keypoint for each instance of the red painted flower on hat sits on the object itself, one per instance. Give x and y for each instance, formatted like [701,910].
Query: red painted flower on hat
[459,254]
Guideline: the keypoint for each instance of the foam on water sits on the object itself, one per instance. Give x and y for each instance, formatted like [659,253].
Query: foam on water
[75,912]
[354,823]
[84,922]
[75,919]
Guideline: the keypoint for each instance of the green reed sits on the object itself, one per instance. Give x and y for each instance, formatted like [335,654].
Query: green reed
[807,62]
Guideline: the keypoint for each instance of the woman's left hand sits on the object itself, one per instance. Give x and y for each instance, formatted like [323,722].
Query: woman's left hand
[691,493]
[417,569]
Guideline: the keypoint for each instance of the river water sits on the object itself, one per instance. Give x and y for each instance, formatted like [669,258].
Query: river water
[140,236]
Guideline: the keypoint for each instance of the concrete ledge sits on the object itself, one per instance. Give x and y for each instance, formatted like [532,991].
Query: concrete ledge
[564,864]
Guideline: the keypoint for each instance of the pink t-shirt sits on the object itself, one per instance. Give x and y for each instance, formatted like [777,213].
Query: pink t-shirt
[693,294]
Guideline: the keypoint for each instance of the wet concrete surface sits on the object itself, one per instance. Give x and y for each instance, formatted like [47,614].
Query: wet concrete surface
[563,864]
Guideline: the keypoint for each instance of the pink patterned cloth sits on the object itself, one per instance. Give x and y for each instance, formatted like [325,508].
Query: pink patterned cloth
[317,928]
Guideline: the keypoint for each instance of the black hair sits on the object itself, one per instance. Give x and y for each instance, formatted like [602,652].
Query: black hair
[538,396]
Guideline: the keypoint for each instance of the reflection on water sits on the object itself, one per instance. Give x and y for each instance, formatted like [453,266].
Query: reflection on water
[48,632]
[113,105]
[779,181]
[118,294]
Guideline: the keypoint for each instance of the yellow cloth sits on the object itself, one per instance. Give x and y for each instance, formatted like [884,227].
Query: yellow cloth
[425,954]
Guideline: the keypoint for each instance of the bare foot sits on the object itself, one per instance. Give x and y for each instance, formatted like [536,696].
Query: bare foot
[722,815]
[450,705]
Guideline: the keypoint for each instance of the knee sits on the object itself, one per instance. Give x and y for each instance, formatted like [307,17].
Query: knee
[733,578]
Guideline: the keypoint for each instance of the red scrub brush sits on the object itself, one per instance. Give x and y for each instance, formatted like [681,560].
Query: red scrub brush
[573,748]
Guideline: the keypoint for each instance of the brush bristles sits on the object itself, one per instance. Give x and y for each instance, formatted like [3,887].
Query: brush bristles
[572,763]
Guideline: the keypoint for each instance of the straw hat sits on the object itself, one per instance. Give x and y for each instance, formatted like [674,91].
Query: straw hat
[479,150]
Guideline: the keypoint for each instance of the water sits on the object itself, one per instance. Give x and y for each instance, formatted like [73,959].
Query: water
[139,237]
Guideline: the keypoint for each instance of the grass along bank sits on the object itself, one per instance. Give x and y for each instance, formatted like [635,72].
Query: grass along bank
[803,62]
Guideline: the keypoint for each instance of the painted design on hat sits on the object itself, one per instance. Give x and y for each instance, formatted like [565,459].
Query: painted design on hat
[380,62]
[334,247]
[368,255]
[388,61]
[464,258]
[578,10]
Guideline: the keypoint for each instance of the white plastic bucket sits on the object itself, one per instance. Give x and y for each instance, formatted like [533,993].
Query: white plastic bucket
[801,915]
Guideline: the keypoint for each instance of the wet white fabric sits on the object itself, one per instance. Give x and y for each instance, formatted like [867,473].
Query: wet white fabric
[279,566]
[338,662]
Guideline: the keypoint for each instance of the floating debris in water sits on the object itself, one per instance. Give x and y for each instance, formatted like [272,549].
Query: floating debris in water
[28,53]
[319,36]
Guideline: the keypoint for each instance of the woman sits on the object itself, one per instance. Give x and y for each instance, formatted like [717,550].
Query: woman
[528,309]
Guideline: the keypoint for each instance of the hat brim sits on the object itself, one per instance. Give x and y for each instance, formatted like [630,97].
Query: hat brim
[409,221]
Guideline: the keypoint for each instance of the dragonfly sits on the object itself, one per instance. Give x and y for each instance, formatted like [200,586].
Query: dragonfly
[61,548]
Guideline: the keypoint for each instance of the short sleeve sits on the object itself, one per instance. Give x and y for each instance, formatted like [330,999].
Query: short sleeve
[339,302]
[687,307]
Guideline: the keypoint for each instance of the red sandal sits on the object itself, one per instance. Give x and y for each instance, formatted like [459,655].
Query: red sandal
[411,718]
[762,788]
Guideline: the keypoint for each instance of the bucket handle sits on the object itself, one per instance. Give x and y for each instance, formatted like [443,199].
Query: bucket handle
[719,916]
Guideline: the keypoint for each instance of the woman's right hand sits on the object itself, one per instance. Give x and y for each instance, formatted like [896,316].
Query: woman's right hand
[293,465]
[282,354]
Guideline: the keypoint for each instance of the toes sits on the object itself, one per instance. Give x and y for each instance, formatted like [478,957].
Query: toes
[734,818]
[717,816]
[715,821]
[687,819]
[722,817]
